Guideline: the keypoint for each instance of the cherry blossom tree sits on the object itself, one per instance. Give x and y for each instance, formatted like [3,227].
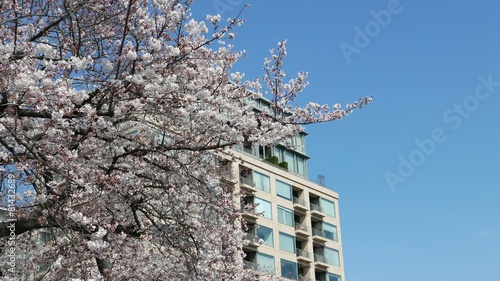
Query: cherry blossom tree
[115,113]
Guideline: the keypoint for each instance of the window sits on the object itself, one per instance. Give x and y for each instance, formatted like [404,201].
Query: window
[332,257]
[265,234]
[288,269]
[285,216]
[279,152]
[328,207]
[299,143]
[262,181]
[333,277]
[263,206]
[330,231]
[265,263]
[284,190]
[301,166]
[264,152]
[287,243]
[289,159]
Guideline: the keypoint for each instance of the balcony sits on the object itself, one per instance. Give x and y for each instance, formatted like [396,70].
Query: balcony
[320,261]
[264,270]
[299,204]
[253,240]
[249,265]
[303,255]
[323,235]
[227,174]
[316,210]
[319,235]
[319,258]
[301,229]
[247,183]
[248,208]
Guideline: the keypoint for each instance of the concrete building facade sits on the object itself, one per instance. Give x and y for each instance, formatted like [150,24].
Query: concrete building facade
[294,228]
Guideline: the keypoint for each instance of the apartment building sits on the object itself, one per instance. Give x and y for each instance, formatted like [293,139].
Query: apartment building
[294,229]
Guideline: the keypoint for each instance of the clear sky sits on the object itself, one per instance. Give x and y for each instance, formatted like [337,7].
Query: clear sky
[418,171]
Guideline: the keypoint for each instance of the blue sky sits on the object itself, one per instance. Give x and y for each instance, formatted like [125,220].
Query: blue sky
[440,220]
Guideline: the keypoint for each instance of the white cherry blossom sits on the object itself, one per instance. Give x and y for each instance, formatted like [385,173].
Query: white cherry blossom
[113,112]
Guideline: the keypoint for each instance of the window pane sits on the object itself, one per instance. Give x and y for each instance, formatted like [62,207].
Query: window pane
[288,269]
[328,207]
[278,152]
[265,234]
[285,216]
[263,207]
[289,159]
[299,142]
[330,231]
[333,277]
[300,166]
[265,263]
[287,242]
[262,182]
[332,257]
[284,190]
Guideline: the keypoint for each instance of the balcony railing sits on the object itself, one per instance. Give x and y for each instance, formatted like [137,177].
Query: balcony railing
[299,226]
[299,201]
[302,253]
[319,258]
[248,207]
[247,181]
[262,269]
[318,232]
[315,207]
[250,236]
[325,234]
[249,265]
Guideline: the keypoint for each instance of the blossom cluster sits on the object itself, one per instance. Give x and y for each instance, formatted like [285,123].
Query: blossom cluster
[114,112]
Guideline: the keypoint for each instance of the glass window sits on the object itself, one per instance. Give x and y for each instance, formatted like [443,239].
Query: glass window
[333,277]
[278,152]
[285,216]
[289,159]
[328,207]
[265,234]
[265,263]
[284,190]
[288,269]
[299,142]
[262,181]
[287,243]
[332,257]
[301,166]
[264,152]
[330,231]
[263,207]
